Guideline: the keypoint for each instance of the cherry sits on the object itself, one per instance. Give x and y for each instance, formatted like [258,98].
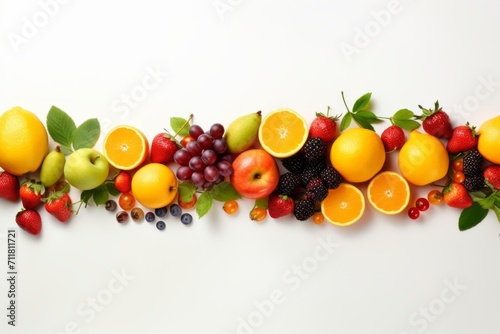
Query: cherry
[413,213]
[422,204]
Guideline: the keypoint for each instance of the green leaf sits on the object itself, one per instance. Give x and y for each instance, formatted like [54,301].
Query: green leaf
[496,209]
[86,195]
[471,216]
[100,194]
[403,114]
[346,121]
[362,103]
[362,122]
[368,115]
[87,134]
[179,125]
[262,203]
[110,186]
[407,124]
[477,195]
[203,204]
[61,127]
[186,191]
[487,203]
[224,192]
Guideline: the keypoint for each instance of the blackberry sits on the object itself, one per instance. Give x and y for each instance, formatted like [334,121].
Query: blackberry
[314,148]
[304,209]
[295,163]
[474,182]
[472,163]
[307,175]
[316,165]
[331,177]
[287,183]
[318,188]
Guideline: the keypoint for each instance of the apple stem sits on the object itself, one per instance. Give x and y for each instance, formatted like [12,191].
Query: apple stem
[94,159]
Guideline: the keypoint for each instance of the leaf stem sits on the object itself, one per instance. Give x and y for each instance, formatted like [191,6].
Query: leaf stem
[343,99]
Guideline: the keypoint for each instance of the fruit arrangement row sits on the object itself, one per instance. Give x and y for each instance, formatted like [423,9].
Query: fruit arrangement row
[289,168]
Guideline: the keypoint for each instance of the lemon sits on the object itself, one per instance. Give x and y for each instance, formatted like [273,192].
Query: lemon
[24,141]
[489,137]
[358,154]
[154,185]
[423,159]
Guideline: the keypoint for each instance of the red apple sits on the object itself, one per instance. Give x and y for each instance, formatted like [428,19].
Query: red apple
[255,174]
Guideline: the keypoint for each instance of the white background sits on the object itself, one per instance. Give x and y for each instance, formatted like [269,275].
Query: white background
[385,275]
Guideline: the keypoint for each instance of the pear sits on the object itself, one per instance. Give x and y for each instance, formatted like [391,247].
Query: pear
[52,167]
[243,132]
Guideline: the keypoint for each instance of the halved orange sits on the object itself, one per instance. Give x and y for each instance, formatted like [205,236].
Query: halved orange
[125,147]
[388,192]
[283,132]
[344,205]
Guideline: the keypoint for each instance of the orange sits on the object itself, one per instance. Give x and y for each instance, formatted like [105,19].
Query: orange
[358,154]
[489,137]
[125,147]
[154,185]
[283,132]
[344,205]
[388,192]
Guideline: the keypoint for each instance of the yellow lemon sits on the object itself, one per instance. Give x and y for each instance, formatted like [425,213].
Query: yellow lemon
[358,154]
[23,141]
[154,185]
[423,159]
[489,137]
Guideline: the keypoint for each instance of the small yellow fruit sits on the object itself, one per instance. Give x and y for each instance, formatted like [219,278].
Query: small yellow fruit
[489,137]
[358,154]
[154,185]
[423,159]
[24,141]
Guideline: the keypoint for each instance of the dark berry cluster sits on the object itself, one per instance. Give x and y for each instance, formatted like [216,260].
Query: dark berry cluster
[472,169]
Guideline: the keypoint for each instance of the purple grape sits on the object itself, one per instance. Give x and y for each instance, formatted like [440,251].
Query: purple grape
[198,179]
[197,164]
[205,141]
[208,185]
[219,146]
[225,168]
[193,148]
[209,157]
[227,157]
[211,173]
[217,130]
[182,157]
[220,179]
[195,131]
[184,173]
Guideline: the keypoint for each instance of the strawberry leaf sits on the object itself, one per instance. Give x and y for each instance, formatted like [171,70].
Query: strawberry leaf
[346,121]
[224,192]
[403,114]
[186,191]
[407,124]
[471,216]
[362,103]
[203,204]
[362,122]
[180,126]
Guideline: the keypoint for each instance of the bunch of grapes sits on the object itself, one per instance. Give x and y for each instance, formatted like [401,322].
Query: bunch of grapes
[205,160]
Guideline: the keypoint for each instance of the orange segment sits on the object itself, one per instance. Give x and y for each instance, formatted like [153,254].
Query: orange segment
[388,192]
[344,205]
[283,132]
[125,147]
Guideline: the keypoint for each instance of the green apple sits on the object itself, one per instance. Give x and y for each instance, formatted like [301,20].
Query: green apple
[86,168]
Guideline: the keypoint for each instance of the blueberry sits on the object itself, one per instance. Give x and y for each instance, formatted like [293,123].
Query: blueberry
[175,210]
[150,217]
[160,225]
[186,218]
[110,205]
[161,212]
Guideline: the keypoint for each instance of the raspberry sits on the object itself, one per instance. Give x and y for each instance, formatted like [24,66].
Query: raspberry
[314,148]
[295,164]
[307,175]
[287,183]
[304,209]
[474,182]
[472,163]
[318,189]
[331,177]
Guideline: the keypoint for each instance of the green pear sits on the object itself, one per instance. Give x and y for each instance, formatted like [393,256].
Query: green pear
[243,132]
[52,167]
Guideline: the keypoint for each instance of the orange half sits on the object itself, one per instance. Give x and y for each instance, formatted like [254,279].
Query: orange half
[344,205]
[283,132]
[388,192]
[125,147]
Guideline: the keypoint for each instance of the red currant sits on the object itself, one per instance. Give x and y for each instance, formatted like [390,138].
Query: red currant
[458,177]
[422,204]
[458,165]
[435,197]
[413,213]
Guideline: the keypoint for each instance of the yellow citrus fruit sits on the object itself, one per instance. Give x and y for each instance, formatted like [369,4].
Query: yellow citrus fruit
[489,137]
[125,147]
[423,159]
[154,185]
[388,192]
[344,205]
[358,154]
[283,132]
[23,141]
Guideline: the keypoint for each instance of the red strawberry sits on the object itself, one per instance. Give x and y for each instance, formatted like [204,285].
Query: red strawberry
[393,138]
[9,186]
[163,148]
[456,196]
[123,182]
[492,175]
[280,205]
[59,205]
[323,126]
[464,138]
[436,122]
[31,193]
[29,220]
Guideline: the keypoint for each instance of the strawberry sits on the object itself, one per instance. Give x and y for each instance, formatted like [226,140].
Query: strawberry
[280,205]
[31,193]
[29,220]
[59,205]
[492,176]
[463,138]
[456,196]
[323,126]
[393,138]
[9,186]
[123,182]
[163,148]
[436,122]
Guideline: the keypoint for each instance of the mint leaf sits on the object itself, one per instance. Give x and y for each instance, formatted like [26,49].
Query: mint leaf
[61,128]
[407,124]
[179,125]
[362,122]
[203,204]
[346,121]
[186,191]
[87,134]
[224,192]
[362,103]
[471,216]
[403,114]
[100,194]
